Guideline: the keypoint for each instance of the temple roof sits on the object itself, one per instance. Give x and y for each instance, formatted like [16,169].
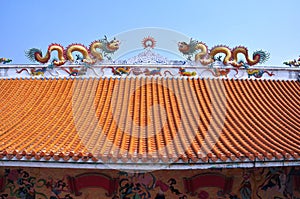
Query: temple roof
[149,120]
[216,106]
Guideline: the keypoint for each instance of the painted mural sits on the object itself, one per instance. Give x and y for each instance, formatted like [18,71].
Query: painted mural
[254,183]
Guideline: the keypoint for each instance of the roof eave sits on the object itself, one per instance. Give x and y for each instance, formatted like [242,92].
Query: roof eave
[132,166]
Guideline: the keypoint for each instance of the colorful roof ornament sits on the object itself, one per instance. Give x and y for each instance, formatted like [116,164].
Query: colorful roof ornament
[97,60]
[205,56]
[96,52]
[295,63]
[5,60]
[148,42]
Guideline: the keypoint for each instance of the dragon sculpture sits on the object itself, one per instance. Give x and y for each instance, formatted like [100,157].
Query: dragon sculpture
[294,62]
[183,72]
[96,52]
[137,71]
[75,72]
[118,70]
[258,73]
[148,72]
[5,60]
[206,57]
[35,72]
[218,72]
[82,70]
[40,71]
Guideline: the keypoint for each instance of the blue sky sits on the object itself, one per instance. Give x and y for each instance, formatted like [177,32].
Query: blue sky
[271,25]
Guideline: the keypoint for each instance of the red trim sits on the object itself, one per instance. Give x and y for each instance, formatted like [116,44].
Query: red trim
[93,180]
[191,185]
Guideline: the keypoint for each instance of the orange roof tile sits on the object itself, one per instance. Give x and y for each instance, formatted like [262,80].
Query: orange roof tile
[149,119]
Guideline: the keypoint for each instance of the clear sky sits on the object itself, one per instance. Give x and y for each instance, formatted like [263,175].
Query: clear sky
[271,25]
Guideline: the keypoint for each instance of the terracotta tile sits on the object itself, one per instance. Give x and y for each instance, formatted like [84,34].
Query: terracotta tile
[65,118]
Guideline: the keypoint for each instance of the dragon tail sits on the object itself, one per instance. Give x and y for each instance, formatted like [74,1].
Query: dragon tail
[269,73]
[212,72]
[236,72]
[23,69]
[30,54]
[66,71]
[263,56]
[167,71]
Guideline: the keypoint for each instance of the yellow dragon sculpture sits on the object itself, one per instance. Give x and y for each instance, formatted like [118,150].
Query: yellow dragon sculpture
[96,52]
[206,57]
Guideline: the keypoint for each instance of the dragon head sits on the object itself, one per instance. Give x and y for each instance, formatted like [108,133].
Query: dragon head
[110,46]
[292,63]
[5,60]
[183,47]
[113,45]
[188,48]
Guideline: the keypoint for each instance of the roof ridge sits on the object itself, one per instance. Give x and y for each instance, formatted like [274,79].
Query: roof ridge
[141,77]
